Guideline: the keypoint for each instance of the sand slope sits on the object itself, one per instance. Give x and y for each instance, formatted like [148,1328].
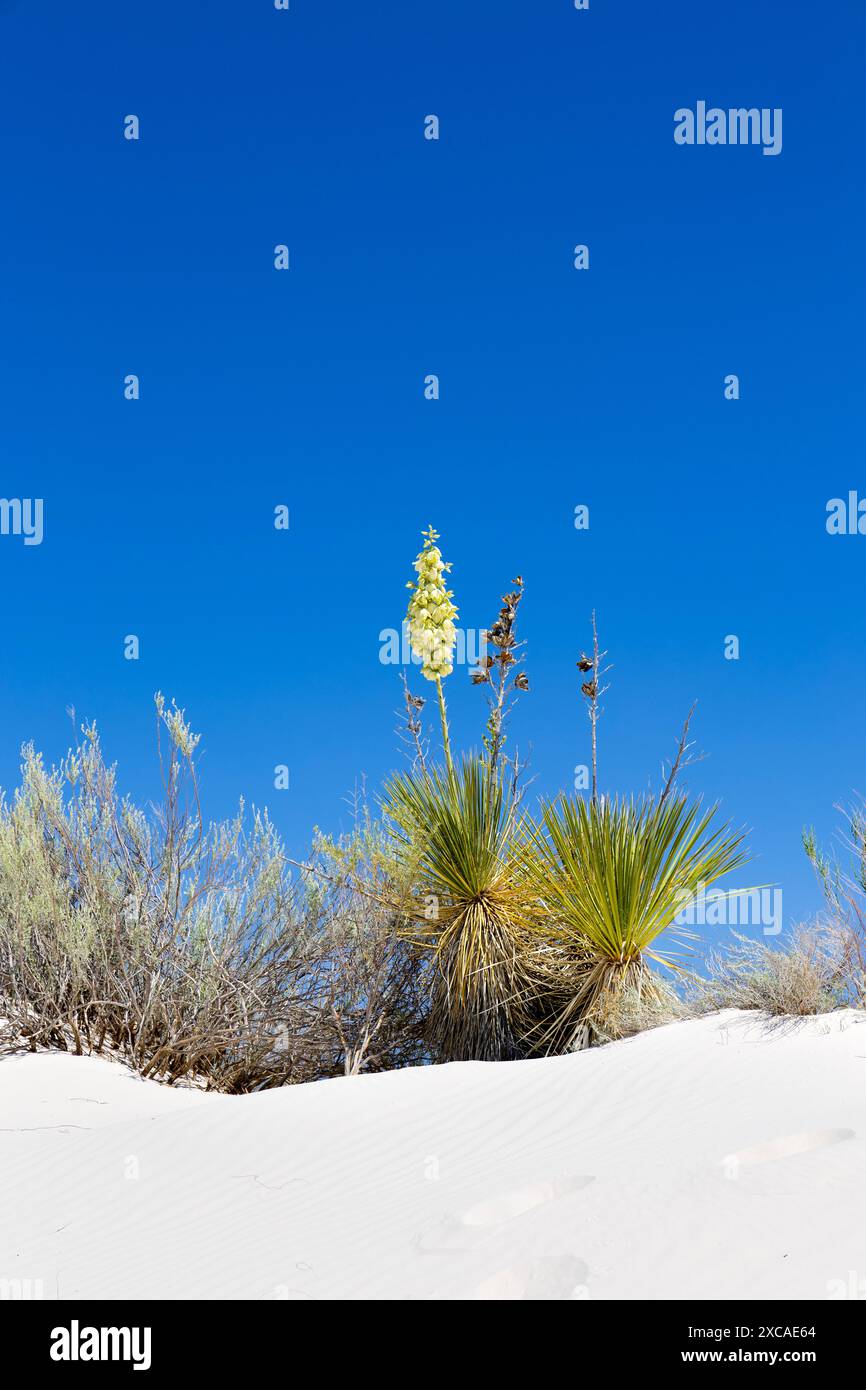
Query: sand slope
[714,1158]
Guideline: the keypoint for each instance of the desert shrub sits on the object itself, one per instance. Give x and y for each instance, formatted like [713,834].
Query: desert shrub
[610,877]
[844,888]
[193,950]
[373,991]
[177,945]
[817,971]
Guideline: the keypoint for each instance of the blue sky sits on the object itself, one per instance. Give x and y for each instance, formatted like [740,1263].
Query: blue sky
[558,387]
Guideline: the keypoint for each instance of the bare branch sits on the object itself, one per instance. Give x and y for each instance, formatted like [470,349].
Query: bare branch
[409,731]
[681,761]
[593,690]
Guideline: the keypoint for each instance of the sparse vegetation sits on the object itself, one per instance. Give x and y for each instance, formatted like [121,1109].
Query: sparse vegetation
[189,949]
[817,971]
[456,926]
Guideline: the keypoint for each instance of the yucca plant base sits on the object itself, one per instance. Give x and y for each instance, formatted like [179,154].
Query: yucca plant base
[479,982]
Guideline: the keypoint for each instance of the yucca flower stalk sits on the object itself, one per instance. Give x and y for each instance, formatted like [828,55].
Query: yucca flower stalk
[502,674]
[430,618]
[461,838]
[611,876]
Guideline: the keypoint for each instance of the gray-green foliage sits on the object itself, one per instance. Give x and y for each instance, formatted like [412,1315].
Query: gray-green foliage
[186,947]
[816,970]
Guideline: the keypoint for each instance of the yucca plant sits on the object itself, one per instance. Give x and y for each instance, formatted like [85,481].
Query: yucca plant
[611,876]
[462,834]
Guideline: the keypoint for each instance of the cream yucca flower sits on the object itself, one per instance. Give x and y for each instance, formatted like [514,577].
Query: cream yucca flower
[431,613]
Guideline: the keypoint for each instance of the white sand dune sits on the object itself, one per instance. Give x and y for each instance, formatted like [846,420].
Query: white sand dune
[716,1158]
